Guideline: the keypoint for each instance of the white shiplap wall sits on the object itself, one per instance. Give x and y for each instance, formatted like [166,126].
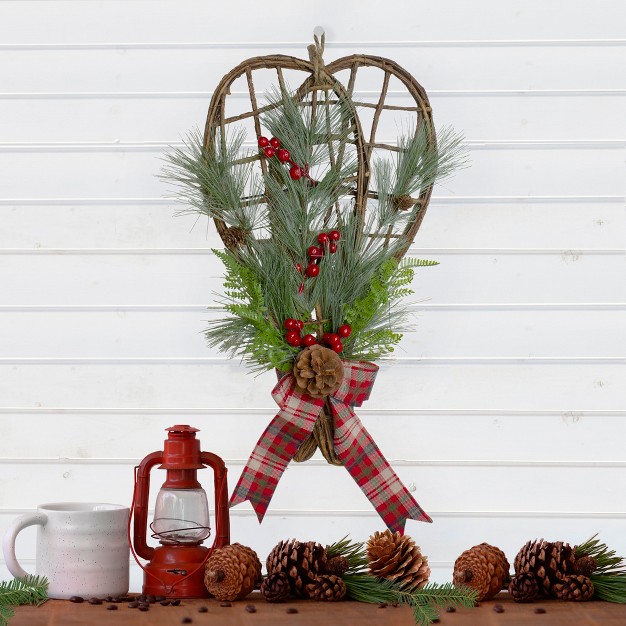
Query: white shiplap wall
[505,410]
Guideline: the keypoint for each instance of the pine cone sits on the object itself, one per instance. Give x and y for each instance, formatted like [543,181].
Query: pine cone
[327,588]
[524,588]
[549,561]
[338,565]
[396,557]
[303,562]
[574,587]
[318,371]
[585,565]
[275,587]
[403,203]
[483,568]
[231,572]
[235,237]
[254,565]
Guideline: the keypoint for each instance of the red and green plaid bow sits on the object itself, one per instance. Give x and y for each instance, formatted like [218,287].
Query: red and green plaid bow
[353,445]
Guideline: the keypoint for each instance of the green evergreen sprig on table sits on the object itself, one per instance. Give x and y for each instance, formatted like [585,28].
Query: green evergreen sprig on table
[276,219]
[426,602]
[609,577]
[26,590]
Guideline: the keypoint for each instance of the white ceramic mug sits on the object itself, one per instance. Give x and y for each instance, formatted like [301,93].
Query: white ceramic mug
[82,548]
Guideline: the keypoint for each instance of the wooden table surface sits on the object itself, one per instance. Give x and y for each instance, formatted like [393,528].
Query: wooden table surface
[65,613]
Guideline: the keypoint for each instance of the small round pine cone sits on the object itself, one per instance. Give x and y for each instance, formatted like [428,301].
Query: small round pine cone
[524,588]
[235,237]
[232,572]
[483,568]
[318,371]
[275,587]
[327,588]
[585,565]
[337,565]
[575,587]
[253,564]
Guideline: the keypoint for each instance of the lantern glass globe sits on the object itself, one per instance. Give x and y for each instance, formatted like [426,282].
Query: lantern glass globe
[181,516]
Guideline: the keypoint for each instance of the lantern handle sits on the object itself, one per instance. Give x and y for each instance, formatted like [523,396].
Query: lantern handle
[140,504]
[222,520]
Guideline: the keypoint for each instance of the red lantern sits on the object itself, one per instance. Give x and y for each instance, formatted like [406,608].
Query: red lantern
[181,516]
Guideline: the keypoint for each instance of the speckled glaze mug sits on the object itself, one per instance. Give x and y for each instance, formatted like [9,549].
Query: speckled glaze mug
[82,548]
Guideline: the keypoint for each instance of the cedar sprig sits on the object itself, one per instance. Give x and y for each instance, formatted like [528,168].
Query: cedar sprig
[609,577]
[26,590]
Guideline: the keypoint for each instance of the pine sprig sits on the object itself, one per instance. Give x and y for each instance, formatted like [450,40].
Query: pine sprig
[26,590]
[609,577]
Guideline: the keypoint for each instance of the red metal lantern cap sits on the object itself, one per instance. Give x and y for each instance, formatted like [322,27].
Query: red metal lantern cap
[182,428]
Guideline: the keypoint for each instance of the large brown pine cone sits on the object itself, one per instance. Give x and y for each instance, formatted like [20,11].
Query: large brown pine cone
[483,568]
[275,587]
[549,561]
[318,371]
[231,572]
[575,587]
[396,557]
[327,588]
[303,562]
[524,588]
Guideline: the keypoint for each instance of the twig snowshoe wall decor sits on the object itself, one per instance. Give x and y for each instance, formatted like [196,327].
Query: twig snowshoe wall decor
[316,207]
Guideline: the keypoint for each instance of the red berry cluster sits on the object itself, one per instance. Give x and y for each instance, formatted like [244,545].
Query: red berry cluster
[332,340]
[271,148]
[315,253]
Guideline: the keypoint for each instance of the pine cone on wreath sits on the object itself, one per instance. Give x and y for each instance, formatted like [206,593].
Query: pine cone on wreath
[524,587]
[231,572]
[318,371]
[483,568]
[397,557]
[549,561]
[327,588]
[303,562]
[276,588]
[574,587]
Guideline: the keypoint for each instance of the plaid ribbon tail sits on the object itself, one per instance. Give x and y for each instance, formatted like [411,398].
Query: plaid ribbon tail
[277,446]
[371,471]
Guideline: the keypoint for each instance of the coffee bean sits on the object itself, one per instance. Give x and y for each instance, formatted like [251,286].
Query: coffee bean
[150,599]
[382,605]
[250,608]
[133,605]
[112,607]
[539,610]
[450,609]
[498,608]
[164,603]
[144,607]
[436,620]
[94,601]
[186,620]
[291,610]
[77,599]
[225,604]
[175,602]
[203,609]
[159,598]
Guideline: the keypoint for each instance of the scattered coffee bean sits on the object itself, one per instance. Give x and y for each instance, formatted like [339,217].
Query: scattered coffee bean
[109,599]
[225,604]
[175,602]
[382,605]
[77,599]
[165,603]
[203,609]
[291,610]
[144,607]
[112,607]
[450,609]
[498,608]
[159,598]
[186,620]
[94,601]
[250,608]
[436,620]
[133,605]
[150,599]
[539,610]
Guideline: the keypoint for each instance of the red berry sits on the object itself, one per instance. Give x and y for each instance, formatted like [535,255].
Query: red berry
[275,142]
[308,340]
[331,338]
[263,142]
[314,252]
[299,324]
[312,270]
[291,324]
[335,235]
[332,247]
[325,337]
[323,239]
[283,155]
[269,152]
[299,268]
[344,331]
[293,338]
[295,172]
[337,346]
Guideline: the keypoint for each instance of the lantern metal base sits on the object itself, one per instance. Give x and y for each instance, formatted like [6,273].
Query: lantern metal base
[166,573]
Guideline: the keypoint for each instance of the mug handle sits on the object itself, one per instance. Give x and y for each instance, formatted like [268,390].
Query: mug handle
[8,543]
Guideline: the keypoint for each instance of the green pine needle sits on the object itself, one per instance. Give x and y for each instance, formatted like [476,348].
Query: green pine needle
[609,577]
[26,590]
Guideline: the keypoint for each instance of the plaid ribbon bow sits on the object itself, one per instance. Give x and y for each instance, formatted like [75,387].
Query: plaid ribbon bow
[353,445]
